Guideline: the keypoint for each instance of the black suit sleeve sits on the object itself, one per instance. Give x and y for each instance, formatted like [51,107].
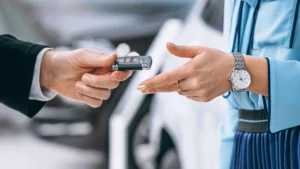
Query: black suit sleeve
[17,62]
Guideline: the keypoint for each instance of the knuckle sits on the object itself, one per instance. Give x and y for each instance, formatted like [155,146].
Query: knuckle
[196,84]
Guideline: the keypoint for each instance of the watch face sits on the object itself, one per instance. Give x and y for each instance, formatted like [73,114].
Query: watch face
[240,79]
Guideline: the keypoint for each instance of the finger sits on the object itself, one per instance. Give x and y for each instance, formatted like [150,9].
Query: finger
[86,58]
[88,100]
[194,98]
[189,84]
[165,78]
[95,51]
[120,75]
[96,93]
[185,51]
[190,93]
[168,88]
[102,70]
[200,99]
[100,81]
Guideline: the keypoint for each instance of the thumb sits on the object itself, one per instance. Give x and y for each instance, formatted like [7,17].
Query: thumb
[108,60]
[185,51]
[97,59]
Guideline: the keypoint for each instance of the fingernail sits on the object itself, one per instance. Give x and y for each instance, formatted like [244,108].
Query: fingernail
[86,78]
[141,87]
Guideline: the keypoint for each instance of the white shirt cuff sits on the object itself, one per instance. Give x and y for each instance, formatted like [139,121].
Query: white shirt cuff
[38,92]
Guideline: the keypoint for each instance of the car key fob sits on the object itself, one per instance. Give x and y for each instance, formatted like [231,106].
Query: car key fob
[132,63]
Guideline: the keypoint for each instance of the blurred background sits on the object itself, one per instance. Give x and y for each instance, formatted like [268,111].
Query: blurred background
[130,130]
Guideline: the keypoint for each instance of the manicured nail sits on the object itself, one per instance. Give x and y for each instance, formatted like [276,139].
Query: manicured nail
[141,87]
[86,78]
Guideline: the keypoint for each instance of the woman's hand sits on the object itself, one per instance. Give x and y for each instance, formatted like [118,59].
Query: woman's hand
[203,78]
[206,75]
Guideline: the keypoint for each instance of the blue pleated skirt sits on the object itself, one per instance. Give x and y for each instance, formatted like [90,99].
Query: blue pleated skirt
[264,150]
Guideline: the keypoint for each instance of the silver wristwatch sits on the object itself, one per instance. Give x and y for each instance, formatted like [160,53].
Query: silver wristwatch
[240,78]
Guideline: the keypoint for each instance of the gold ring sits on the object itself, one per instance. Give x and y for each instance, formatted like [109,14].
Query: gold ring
[178,87]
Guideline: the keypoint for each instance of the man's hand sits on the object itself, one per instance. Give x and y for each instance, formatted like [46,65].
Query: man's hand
[83,75]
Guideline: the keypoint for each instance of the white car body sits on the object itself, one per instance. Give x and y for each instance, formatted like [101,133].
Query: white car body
[192,125]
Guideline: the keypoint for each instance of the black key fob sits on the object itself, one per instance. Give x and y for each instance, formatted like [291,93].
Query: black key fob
[132,63]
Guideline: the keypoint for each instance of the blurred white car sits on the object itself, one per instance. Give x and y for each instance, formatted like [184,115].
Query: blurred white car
[168,131]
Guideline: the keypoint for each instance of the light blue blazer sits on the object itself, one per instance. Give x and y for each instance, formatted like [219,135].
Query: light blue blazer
[270,29]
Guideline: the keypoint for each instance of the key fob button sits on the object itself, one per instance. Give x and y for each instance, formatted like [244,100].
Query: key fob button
[121,60]
[136,60]
[128,60]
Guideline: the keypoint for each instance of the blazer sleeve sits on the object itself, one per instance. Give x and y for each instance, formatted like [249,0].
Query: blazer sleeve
[17,62]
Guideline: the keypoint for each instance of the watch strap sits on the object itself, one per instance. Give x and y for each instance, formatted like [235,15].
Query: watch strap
[236,90]
[239,61]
